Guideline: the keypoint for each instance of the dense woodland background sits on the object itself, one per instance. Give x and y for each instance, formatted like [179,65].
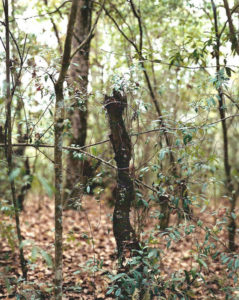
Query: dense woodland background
[119,149]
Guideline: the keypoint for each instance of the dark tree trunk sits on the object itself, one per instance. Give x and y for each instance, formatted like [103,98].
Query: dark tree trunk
[124,233]
[78,82]
[8,141]
[233,33]
[227,167]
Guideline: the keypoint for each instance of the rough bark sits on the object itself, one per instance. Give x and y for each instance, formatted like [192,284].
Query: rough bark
[227,168]
[78,82]
[8,141]
[124,233]
[138,48]
[58,128]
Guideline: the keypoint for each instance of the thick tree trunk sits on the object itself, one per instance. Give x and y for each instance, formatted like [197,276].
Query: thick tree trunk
[124,233]
[78,82]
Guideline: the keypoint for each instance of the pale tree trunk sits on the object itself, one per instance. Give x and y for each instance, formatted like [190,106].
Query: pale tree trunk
[8,140]
[58,128]
[78,82]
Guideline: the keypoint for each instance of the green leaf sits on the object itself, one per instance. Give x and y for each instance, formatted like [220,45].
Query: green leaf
[35,252]
[118,292]
[237,263]
[110,291]
[47,187]
[233,215]
[162,153]
[14,174]
[118,276]
[47,258]
[199,223]
[202,263]
[145,203]
[187,138]
[25,243]
[94,151]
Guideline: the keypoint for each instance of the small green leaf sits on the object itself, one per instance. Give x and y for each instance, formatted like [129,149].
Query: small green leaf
[35,252]
[118,292]
[47,258]
[94,151]
[145,203]
[110,291]
[237,263]
[187,138]
[14,174]
[202,263]
[118,276]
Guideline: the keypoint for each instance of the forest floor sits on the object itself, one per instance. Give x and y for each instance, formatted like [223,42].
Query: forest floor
[89,252]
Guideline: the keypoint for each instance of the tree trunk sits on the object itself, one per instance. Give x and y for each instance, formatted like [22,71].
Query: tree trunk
[8,141]
[58,128]
[124,233]
[21,137]
[227,168]
[233,34]
[78,82]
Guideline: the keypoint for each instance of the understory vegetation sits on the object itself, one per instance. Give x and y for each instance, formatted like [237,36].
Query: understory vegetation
[119,149]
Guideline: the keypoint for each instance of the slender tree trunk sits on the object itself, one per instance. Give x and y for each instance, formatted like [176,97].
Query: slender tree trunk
[227,167]
[55,29]
[8,141]
[78,82]
[58,128]
[21,137]
[233,37]
[124,234]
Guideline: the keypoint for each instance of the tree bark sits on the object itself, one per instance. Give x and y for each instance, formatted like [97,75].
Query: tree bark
[8,141]
[58,128]
[138,48]
[124,233]
[233,37]
[227,168]
[21,137]
[78,82]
